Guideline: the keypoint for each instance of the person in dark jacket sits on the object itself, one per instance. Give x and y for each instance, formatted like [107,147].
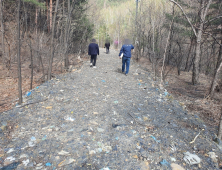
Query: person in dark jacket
[93,50]
[126,51]
[107,45]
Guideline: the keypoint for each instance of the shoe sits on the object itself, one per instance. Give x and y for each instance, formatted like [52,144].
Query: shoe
[94,66]
[125,74]
[91,64]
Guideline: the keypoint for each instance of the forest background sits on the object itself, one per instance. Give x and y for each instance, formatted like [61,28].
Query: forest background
[178,40]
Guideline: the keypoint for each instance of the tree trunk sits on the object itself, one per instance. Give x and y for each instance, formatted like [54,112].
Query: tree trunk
[3,31]
[66,37]
[196,65]
[30,46]
[18,55]
[47,15]
[188,57]
[36,18]
[215,80]
[219,59]
[220,127]
[52,42]
[164,55]
[50,15]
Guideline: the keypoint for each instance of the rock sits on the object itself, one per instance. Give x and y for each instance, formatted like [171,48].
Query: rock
[145,165]
[176,167]
[92,152]
[9,160]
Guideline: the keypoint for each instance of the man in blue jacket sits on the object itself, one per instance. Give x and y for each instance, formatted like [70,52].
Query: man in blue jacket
[93,50]
[126,50]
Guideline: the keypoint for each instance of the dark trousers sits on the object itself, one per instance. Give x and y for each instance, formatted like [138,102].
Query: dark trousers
[125,61]
[107,50]
[93,59]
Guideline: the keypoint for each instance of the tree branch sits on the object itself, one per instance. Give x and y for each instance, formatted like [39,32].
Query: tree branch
[195,33]
[213,19]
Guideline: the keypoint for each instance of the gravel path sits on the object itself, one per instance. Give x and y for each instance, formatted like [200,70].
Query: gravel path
[101,119]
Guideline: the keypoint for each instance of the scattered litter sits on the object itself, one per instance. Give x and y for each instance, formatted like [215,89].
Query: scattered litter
[173,159]
[44,137]
[48,164]
[25,162]
[164,163]
[213,156]
[48,107]
[103,81]
[66,162]
[69,118]
[116,102]
[63,153]
[31,143]
[33,138]
[105,168]
[191,159]
[158,141]
[10,158]
[166,93]
[28,93]
[100,130]
[11,150]
[92,152]
[23,156]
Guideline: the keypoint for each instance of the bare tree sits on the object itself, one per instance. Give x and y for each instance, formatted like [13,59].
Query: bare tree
[2,30]
[18,54]
[52,41]
[202,14]
[220,127]
[168,38]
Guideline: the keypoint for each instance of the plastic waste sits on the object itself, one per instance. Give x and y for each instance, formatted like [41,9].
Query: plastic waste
[28,94]
[69,118]
[107,168]
[48,164]
[191,159]
[25,162]
[44,137]
[100,130]
[66,162]
[63,153]
[155,139]
[164,163]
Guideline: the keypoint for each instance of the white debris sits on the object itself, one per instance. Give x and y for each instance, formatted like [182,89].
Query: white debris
[191,159]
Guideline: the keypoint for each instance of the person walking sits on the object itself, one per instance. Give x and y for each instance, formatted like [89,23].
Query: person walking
[126,55]
[93,50]
[107,45]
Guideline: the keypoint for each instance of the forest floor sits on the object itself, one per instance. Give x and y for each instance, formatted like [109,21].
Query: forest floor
[101,119]
[194,98]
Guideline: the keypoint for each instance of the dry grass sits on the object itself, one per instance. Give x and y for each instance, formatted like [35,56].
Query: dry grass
[193,97]
[9,80]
